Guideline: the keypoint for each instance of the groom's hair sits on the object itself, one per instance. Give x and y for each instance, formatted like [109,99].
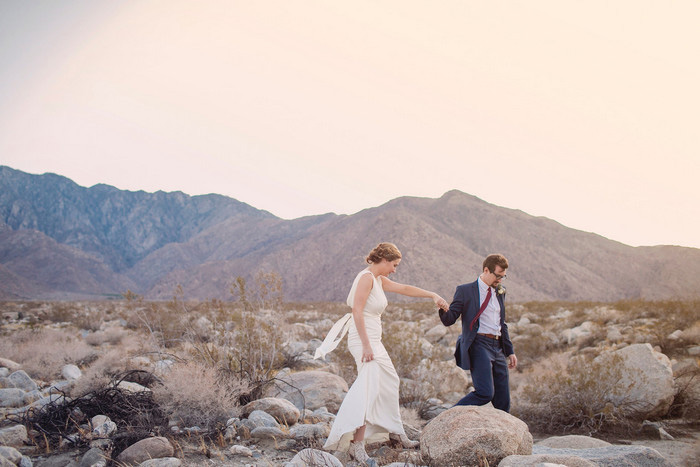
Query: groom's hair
[492,261]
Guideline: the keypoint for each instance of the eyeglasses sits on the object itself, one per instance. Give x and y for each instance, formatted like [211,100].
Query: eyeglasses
[499,277]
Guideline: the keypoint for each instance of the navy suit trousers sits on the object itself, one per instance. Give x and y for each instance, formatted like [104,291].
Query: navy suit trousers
[489,371]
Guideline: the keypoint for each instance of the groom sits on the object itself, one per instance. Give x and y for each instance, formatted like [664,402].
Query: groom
[484,345]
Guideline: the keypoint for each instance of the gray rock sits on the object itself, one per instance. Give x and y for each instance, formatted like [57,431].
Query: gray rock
[268,432]
[307,431]
[655,430]
[162,462]
[9,364]
[12,397]
[611,456]
[59,460]
[241,450]
[572,442]
[93,458]
[546,460]
[71,372]
[314,458]
[645,386]
[32,396]
[469,435]
[20,379]
[281,409]
[11,454]
[4,372]
[26,461]
[13,436]
[6,463]
[149,448]
[260,419]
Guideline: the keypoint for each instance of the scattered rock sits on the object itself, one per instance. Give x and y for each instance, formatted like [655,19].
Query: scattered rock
[308,431]
[469,435]
[242,450]
[281,409]
[149,448]
[162,462]
[572,442]
[546,460]
[94,458]
[13,436]
[612,456]
[20,379]
[314,458]
[71,372]
[436,333]
[260,419]
[10,454]
[9,364]
[655,430]
[132,387]
[268,432]
[12,397]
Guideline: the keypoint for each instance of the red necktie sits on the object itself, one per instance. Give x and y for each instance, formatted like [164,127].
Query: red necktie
[481,310]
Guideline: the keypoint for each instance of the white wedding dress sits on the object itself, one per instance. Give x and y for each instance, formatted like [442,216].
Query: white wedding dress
[373,399]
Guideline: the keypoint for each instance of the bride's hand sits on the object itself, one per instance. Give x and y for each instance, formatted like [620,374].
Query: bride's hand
[367,354]
[440,302]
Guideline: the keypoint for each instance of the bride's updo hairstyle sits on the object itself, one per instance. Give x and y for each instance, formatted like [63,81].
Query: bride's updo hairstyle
[387,251]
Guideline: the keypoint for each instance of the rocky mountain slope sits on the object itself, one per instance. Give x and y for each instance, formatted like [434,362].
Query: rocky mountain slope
[60,240]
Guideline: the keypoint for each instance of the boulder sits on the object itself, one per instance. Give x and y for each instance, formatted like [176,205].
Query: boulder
[162,462]
[546,460]
[13,436]
[434,334]
[444,377]
[311,390]
[129,386]
[260,418]
[314,458]
[283,410]
[645,386]
[20,379]
[71,372]
[310,431]
[149,448]
[242,450]
[93,458]
[470,435]
[10,454]
[572,442]
[12,397]
[268,432]
[9,364]
[611,456]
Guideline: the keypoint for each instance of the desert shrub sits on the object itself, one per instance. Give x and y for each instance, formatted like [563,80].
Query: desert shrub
[194,393]
[43,352]
[100,372]
[575,395]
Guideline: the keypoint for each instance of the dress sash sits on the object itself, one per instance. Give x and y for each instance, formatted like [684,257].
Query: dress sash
[335,335]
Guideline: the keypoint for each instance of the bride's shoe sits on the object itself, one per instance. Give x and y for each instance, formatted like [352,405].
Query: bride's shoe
[404,440]
[357,452]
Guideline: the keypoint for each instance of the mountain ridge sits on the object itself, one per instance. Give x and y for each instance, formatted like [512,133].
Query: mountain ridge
[101,241]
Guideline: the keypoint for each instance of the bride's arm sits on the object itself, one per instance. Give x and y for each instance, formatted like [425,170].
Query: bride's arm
[364,287]
[411,291]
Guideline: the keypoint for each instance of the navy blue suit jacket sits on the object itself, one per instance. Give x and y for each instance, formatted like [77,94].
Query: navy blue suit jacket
[465,304]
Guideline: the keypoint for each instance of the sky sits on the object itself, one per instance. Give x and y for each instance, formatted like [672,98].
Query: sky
[586,112]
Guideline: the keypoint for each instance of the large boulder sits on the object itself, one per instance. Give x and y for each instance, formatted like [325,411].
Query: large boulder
[15,435]
[314,458]
[645,387]
[311,390]
[470,435]
[283,410]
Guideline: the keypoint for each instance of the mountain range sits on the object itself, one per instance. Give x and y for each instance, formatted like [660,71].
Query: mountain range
[59,240]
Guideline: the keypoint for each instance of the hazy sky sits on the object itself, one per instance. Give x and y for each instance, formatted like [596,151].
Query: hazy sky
[586,112]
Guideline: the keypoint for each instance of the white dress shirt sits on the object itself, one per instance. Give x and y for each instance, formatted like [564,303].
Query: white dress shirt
[490,319]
